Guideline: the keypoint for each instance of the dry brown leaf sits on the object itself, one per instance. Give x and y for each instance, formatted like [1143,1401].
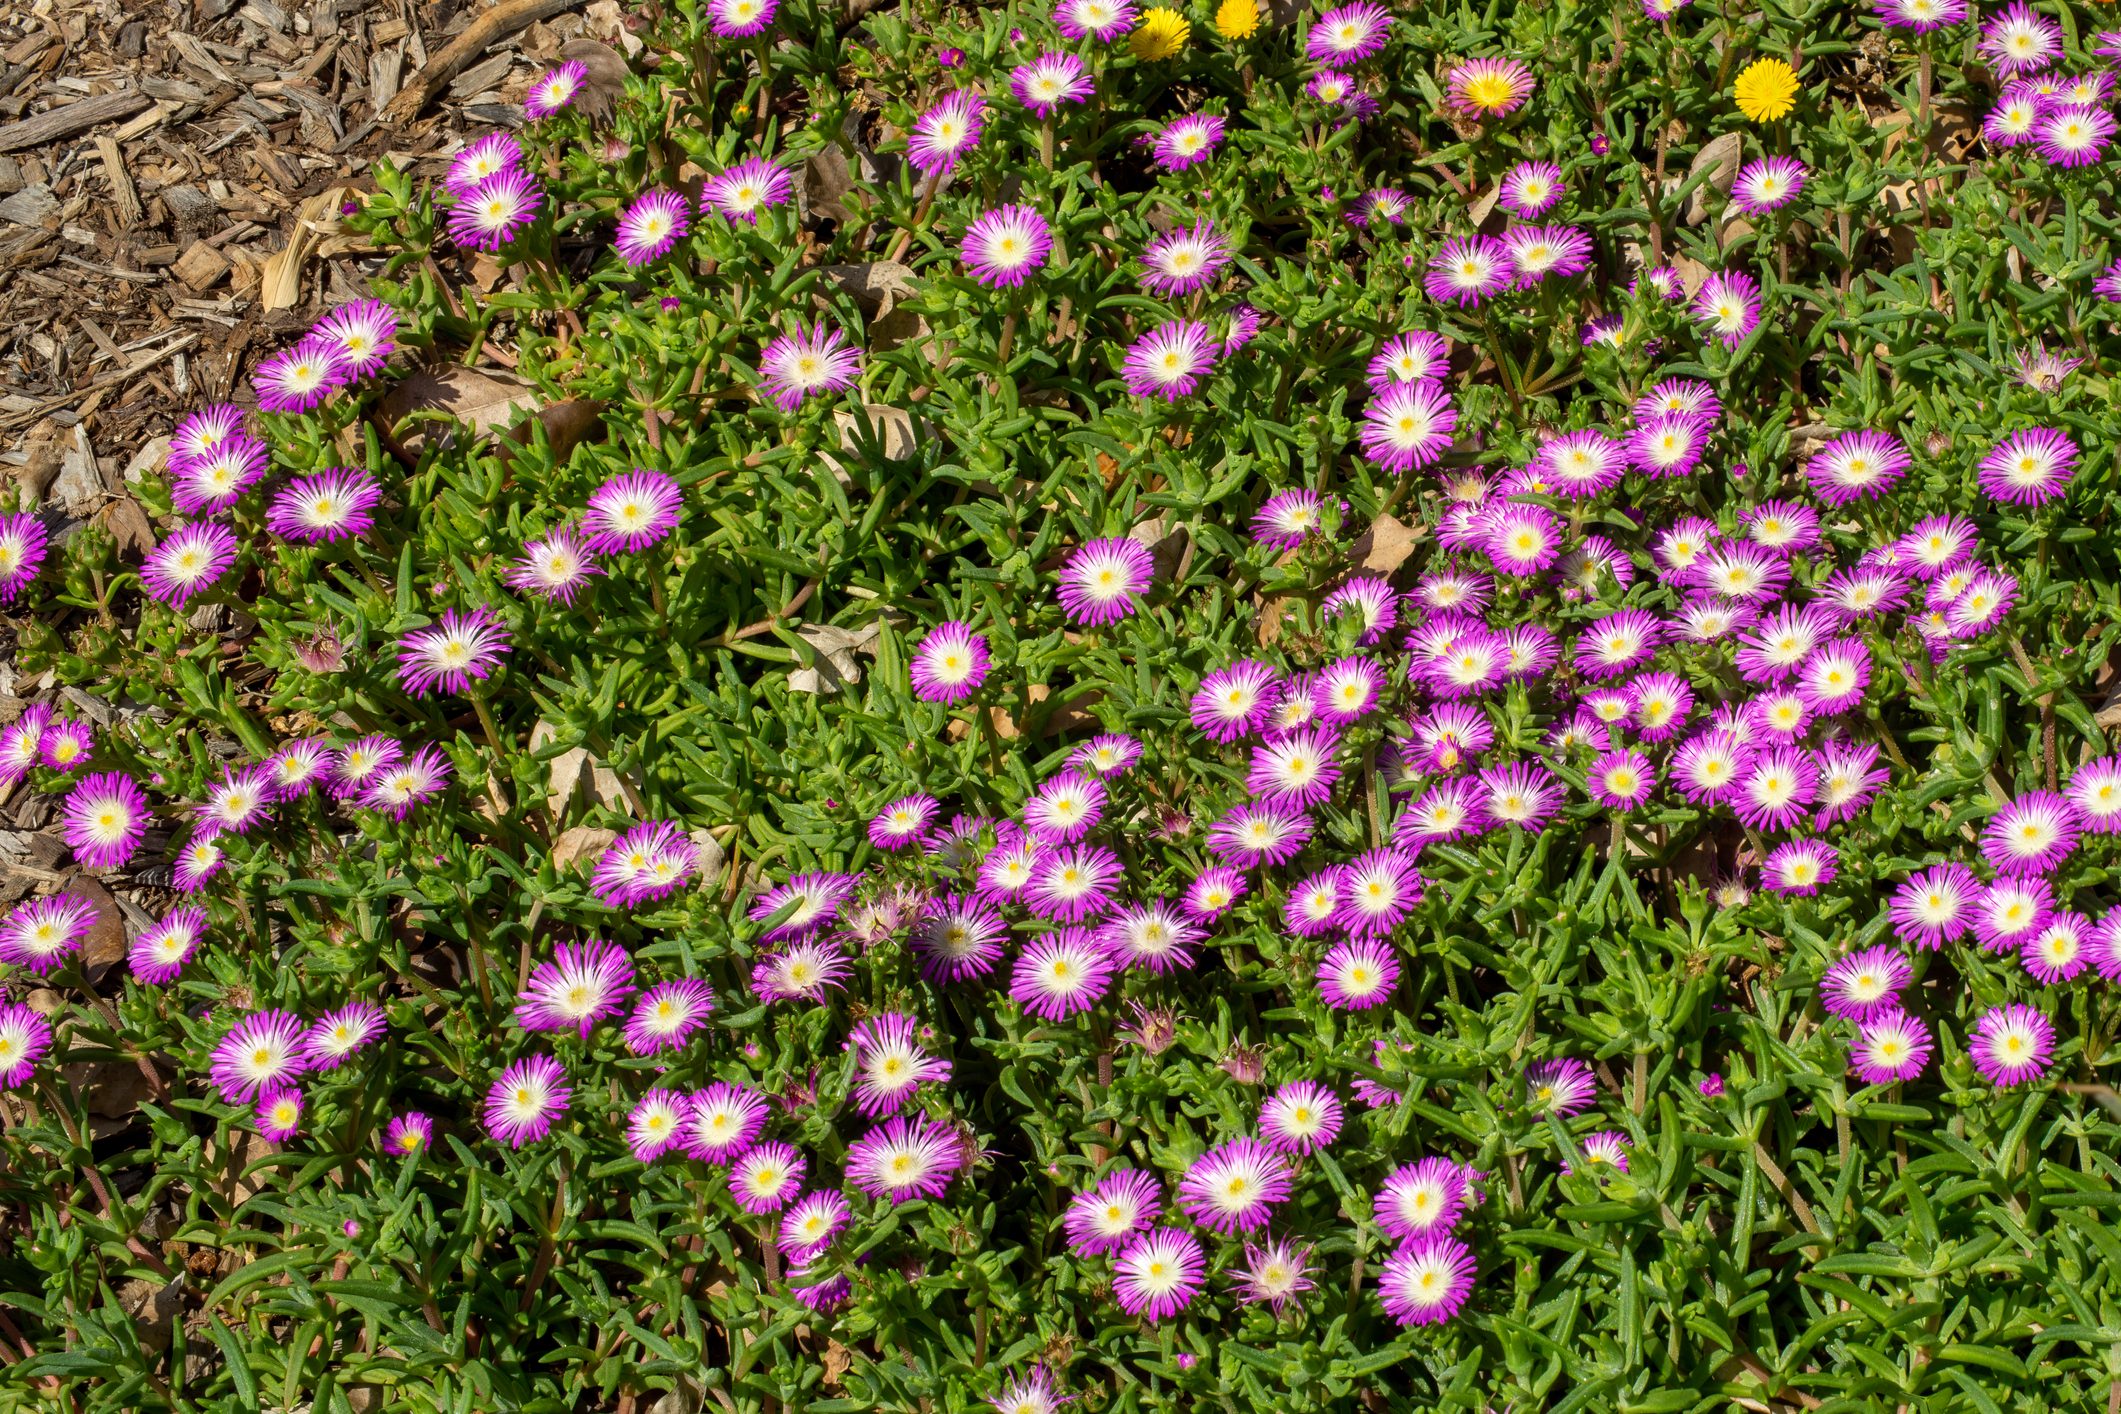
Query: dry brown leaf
[1384,547]
[1718,157]
[580,843]
[105,943]
[606,84]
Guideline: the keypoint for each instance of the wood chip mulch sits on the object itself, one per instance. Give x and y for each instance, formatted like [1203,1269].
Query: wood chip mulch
[171,177]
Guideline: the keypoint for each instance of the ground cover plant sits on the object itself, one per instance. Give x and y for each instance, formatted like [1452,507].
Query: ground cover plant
[1224,707]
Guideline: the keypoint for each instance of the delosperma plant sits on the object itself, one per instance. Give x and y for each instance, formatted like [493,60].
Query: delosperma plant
[1226,707]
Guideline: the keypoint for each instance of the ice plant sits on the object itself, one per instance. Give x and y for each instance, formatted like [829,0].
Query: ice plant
[525,1100]
[1158,1274]
[1766,90]
[740,192]
[24,1038]
[260,1052]
[1006,246]
[461,650]
[1427,1281]
[1489,88]
[651,225]
[1103,580]
[795,367]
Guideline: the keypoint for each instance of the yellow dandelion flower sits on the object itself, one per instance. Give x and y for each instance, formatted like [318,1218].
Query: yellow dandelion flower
[1237,19]
[1767,90]
[1161,34]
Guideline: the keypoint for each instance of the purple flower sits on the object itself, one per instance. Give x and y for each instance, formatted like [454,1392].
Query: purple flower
[1408,425]
[1184,260]
[338,1034]
[946,131]
[1536,252]
[1935,906]
[158,954]
[767,1178]
[1250,835]
[334,505]
[524,1101]
[404,785]
[1420,1198]
[655,222]
[1467,270]
[950,664]
[1074,885]
[904,824]
[1233,1187]
[1799,868]
[105,815]
[1865,983]
[645,863]
[1049,81]
[2012,1045]
[215,479]
[1213,892]
[365,333]
[1488,87]
[1358,974]
[1159,1273]
[1426,1282]
[1297,768]
[1061,974]
[1378,890]
[491,214]
[261,1051]
[1920,16]
[2029,468]
[1107,1217]
[24,1036]
[740,192]
[1668,445]
[450,656]
[1170,361]
[555,89]
[1530,189]
[408,1134]
[1301,1117]
[1103,580]
[2020,41]
[1348,35]
[1188,140]
[2030,835]
[1286,518]
[1560,1087]
[667,1014]
[188,561]
[1729,304]
[655,1124]
[22,549]
[486,157]
[1890,1046]
[279,1114]
[1101,20]
[722,1121]
[579,986]
[1525,794]
[554,566]
[1004,247]
[904,1159]
[740,19]
[1768,185]
[1622,780]
[1236,701]
[960,936]
[809,361]
[1857,466]
[629,513]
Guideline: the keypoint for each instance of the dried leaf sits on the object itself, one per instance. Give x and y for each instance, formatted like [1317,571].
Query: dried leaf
[1384,547]
[606,83]
[836,665]
[1719,158]
[105,943]
[580,843]
[483,401]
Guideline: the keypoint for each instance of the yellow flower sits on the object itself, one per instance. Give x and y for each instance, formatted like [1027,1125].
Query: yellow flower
[1767,90]
[1237,19]
[1161,34]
